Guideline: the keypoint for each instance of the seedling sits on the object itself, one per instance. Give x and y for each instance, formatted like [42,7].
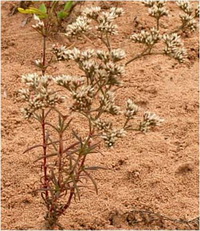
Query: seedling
[51,14]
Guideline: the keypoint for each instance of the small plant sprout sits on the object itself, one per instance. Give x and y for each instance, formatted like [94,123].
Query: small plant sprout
[89,94]
[50,15]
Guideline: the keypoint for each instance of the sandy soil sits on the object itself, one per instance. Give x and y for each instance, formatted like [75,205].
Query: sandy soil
[157,171]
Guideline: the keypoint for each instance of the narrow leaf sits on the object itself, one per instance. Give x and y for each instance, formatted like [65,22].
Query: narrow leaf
[95,168]
[35,146]
[43,8]
[47,156]
[93,181]
[75,186]
[68,5]
[62,14]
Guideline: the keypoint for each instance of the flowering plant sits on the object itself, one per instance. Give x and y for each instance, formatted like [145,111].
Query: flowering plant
[92,96]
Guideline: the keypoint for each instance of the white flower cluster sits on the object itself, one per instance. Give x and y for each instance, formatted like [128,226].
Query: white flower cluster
[110,137]
[146,37]
[102,125]
[150,120]
[83,97]
[38,95]
[188,22]
[109,134]
[39,25]
[92,12]
[187,19]
[115,55]
[131,109]
[148,3]
[69,82]
[80,26]
[185,6]
[108,103]
[63,53]
[104,20]
[172,40]
[174,47]
[114,69]
[109,70]
[90,67]
[197,12]
[158,10]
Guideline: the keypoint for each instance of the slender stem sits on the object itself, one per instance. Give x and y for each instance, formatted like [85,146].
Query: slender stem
[45,154]
[44,128]
[60,158]
[108,42]
[126,122]
[142,55]
[157,23]
[44,55]
[137,56]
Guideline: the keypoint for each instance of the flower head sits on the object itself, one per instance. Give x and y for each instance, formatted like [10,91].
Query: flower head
[131,109]
[38,95]
[150,120]
[80,26]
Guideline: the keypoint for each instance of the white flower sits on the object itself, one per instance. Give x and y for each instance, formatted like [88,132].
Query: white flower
[148,3]
[39,24]
[146,37]
[88,54]
[108,27]
[81,25]
[83,97]
[185,6]
[102,125]
[174,47]
[197,11]
[118,54]
[172,40]
[38,95]
[91,12]
[189,22]
[150,120]
[131,109]
[114,69]
[157,12]
[107,103]
[116,12]
[69,82]
[111,136]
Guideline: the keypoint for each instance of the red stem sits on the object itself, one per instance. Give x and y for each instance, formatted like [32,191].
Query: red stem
[44,130]
[72,189]
[45,154]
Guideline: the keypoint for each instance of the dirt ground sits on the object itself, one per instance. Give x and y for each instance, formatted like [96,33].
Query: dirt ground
[157,171]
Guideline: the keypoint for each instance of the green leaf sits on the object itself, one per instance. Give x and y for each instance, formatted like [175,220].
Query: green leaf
[62,14]
[43,8]
[33,10]
[68,5]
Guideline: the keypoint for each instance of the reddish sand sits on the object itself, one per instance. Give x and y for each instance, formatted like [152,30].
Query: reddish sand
[157,171]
